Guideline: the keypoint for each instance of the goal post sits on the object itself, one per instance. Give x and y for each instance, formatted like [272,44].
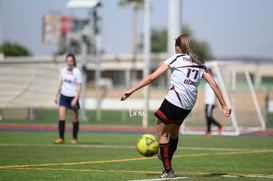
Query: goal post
[226,97]
[255,100]
[235,81]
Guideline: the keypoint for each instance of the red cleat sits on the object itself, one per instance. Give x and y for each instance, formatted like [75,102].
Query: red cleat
[220,129]
[208,133]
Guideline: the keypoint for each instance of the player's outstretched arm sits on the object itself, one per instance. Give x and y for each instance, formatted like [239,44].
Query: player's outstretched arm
[218,93]
[147,80]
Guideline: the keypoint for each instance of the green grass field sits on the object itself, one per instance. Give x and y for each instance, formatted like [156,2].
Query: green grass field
[106,156]
[113,156]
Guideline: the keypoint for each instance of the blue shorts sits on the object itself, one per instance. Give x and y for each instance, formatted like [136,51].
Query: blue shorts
[66,102]
[169,113]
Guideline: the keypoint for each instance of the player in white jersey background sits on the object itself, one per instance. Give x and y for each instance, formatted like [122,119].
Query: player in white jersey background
[209,107]
[67,97]
[186,72]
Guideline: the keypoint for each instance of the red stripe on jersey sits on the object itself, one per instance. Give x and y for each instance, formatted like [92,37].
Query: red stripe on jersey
[177,94]
[193,66]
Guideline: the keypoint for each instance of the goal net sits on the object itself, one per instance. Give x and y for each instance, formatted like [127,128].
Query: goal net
[235,81]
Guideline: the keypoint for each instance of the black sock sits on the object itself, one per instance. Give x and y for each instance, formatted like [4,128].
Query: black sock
[173,146]
[61,128]
[164,152]
[75,130]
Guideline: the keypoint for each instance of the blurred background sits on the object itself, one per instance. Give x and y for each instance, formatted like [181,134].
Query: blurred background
[118,42]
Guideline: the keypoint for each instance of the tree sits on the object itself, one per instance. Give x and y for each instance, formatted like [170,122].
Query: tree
[159,40]
[200,48]
[14,49]
[159,43]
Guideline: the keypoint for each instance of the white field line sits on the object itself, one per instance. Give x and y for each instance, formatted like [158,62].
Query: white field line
[227,175]
[155,179]
[248,176]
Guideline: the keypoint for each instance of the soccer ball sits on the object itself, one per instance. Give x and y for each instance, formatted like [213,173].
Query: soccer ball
[147,145]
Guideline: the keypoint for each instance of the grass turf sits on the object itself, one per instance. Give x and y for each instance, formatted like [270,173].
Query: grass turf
[105,156]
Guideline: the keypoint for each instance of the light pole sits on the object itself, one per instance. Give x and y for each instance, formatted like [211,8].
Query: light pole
[83,116]
[174,23]
[147,57]
[97,32]
[90,4]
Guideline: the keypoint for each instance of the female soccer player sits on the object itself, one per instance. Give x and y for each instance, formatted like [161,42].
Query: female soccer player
[68,97]
[186,72]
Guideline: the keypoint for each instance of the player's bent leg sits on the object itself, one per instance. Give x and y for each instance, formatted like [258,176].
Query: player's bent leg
[163,131]
[174,133]
[174,137]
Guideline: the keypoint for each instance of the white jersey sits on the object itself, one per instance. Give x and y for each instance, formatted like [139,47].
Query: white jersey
[70,79]
[184,80]
[209,94]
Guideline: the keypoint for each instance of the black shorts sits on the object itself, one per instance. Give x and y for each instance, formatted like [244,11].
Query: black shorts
[66,102]
[169,113]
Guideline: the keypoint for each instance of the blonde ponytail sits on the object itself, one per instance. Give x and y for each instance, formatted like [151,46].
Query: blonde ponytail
[185,44]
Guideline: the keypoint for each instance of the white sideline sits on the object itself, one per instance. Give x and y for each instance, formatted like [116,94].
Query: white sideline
[176,178]
[231,176]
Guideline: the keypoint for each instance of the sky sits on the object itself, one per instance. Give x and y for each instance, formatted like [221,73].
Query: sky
[232,28]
